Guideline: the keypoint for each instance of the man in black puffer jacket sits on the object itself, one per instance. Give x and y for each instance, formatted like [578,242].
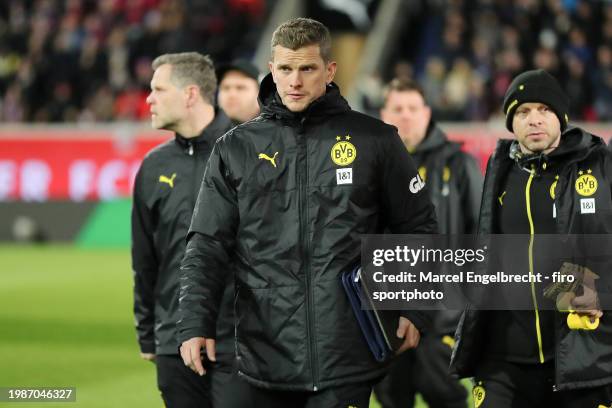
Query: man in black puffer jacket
[286,197]
[454,183]
[165,191]
[550,180]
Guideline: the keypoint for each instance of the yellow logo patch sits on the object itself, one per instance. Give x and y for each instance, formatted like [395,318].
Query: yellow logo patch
[446,174]
[168,180]
[343,152]
[449,341]
[422,172]
[586,184]
[479,393]
[501,198]
[272,160]
[552,188]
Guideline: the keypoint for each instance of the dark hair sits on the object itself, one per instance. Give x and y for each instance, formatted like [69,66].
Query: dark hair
[402,85]
[301,32]
[191,68]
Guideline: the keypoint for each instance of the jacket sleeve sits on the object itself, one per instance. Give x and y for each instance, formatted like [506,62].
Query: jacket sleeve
[210,242]
[144,266]
[605,284]
[406,206]
[470,190]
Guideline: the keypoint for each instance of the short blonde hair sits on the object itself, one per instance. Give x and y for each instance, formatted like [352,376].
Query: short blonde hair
[301,32]
[191,68]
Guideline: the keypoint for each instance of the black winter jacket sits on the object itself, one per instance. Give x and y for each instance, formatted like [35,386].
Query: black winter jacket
[165,193]
[287,197]
[454,182]
[582,358]
[453,179]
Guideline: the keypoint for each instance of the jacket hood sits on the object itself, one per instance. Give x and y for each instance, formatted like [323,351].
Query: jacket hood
[575,145]
[272,106]
[435,140]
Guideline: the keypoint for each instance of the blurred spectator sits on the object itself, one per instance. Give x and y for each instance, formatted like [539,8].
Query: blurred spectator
[12,105]
[456,89]
[98,106]
[238,90]
[578,88]
[546,59]
[602,84]
[433,85]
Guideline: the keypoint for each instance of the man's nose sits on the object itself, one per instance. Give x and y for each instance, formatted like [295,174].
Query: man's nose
[535,118]
[149,99]
[296,80]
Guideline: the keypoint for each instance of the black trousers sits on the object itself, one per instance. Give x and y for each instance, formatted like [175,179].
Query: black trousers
[500,384]
[346,396]
[180,387]
[423,370]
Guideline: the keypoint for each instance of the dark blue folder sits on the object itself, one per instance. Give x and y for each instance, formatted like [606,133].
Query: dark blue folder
[378,326]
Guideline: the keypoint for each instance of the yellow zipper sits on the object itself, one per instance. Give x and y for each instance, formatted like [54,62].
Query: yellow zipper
[531,239]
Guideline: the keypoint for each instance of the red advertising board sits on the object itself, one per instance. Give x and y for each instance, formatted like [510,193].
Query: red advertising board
[47,164]
[65,166]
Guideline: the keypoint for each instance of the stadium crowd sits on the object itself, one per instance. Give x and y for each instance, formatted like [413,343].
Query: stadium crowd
[84,60]
[464,53]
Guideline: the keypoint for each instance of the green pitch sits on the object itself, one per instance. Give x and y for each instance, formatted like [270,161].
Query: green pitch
[66,321]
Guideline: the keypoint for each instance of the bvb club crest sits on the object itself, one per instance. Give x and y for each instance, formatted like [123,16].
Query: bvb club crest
[343,152]
[586,183]
[479,393]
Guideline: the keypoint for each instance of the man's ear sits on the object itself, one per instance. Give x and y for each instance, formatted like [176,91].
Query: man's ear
[192,93]
[331,72]
[271,67]
[428,108]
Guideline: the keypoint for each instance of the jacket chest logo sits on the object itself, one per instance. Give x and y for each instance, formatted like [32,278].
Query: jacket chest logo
[586,183]
[416,184]
[343,152]
[167,180]
[501,198]
[553,186]
[272,160]
[423,172]
[479,394]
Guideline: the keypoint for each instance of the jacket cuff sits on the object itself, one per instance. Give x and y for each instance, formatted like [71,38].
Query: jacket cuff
[194,328]
[147,346]
[421,319]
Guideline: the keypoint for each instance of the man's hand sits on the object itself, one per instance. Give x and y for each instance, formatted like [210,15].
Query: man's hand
[148,356]
[190,352]
[409,333]
[588,303]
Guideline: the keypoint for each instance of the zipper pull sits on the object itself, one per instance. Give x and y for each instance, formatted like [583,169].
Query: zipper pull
[190,149]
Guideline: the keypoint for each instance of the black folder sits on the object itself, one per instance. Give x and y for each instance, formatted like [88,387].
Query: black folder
[378,326]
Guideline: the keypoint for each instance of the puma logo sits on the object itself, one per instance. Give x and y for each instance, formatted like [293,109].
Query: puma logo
[169,181]
[268,158]
[501,198]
